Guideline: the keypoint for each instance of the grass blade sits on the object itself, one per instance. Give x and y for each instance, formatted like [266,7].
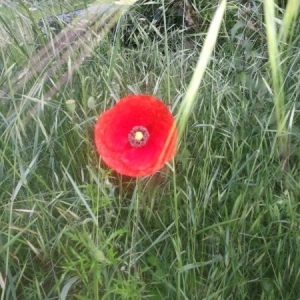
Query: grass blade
[276,75]
[204,58]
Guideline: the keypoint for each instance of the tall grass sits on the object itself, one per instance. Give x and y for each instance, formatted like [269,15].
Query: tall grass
[221,222]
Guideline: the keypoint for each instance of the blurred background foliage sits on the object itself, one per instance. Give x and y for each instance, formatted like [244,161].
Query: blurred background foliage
[237,209]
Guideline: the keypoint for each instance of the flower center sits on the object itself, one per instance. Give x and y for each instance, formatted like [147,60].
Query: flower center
[138,136]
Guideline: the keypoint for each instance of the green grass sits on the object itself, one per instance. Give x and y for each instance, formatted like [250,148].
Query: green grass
[223,225]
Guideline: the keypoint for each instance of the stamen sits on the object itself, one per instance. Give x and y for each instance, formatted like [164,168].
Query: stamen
[138,136]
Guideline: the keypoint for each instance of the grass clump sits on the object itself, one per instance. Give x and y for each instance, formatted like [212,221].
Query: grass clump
[221,223]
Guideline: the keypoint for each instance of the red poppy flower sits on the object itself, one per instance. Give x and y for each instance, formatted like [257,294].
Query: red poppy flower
[137,136]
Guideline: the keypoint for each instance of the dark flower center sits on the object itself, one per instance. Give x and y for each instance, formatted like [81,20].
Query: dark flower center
[138,136]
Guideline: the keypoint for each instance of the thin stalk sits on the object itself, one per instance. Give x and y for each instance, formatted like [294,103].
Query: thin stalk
[178,239]
[167,52]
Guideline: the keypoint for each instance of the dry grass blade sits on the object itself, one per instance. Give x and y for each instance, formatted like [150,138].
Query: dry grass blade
[75,42]
[65,44]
